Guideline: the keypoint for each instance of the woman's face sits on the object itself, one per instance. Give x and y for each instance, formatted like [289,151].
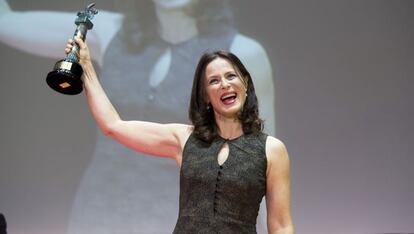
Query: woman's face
[225,88]
[170,4]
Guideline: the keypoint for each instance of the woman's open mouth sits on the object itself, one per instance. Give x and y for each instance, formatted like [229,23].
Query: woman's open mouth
[228,98]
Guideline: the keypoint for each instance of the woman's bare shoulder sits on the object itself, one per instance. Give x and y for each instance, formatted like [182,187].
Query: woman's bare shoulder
[275,150]
[181,131]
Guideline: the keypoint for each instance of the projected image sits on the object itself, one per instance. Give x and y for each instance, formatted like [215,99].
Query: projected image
[147,52]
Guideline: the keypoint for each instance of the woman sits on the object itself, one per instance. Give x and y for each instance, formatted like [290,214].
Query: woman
[143,54]
[226,163]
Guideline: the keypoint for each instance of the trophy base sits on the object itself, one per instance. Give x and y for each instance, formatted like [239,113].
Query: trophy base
[66,78]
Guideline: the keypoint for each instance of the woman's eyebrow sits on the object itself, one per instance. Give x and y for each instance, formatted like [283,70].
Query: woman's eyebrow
[212,77]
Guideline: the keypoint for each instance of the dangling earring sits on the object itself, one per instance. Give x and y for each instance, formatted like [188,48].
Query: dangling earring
[208,107]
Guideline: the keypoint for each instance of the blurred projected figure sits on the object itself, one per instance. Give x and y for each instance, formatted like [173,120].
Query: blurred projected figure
[147,56]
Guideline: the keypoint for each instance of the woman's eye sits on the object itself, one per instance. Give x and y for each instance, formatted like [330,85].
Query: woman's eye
[213,81]
[231,76]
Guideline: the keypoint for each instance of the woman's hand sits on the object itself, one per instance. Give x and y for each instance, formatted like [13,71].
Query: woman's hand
[83,53]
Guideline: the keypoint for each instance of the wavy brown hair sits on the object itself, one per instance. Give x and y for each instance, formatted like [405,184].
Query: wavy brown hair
[202,116]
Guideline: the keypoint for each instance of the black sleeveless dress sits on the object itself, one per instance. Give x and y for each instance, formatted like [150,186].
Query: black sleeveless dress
[222,199]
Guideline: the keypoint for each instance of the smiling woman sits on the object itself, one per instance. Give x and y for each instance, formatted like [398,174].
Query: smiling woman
[225,84]
[227,164]
[223,89]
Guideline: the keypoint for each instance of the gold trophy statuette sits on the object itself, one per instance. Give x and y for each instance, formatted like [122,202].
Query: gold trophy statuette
[66,75]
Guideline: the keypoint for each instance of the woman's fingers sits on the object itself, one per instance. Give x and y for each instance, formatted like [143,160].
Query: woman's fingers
[80,42]
[83,51]
[69,45]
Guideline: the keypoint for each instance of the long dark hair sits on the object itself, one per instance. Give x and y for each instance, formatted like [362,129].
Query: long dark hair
[202,116]
[140,24]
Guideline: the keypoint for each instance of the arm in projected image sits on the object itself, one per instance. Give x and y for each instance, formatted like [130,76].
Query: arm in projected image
[42,32]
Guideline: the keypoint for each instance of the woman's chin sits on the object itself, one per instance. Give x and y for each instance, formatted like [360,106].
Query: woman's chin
[229,111]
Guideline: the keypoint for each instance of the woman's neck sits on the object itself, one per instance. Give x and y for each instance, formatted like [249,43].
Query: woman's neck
[175,25]
[229,128]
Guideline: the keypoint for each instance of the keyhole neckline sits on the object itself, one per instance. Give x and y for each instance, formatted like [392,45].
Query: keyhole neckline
[230,139]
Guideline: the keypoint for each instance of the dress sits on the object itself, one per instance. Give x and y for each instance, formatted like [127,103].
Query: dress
[222,199]
[123,191]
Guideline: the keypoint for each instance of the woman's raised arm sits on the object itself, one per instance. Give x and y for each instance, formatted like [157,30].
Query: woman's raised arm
[165,140]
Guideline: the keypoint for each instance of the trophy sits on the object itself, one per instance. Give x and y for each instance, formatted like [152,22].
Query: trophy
[66,75]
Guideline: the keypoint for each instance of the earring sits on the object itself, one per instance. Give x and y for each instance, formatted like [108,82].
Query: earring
[208,107]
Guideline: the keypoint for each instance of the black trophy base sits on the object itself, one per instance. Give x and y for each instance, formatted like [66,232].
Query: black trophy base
[66,78]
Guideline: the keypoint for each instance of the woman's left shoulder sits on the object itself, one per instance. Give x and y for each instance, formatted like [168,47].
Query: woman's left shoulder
[275,149]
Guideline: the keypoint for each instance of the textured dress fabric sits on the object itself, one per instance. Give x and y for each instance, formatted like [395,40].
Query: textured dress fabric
[123,191]
[222,198]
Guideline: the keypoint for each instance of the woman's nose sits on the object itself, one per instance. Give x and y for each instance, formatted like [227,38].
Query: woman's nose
[224,84]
